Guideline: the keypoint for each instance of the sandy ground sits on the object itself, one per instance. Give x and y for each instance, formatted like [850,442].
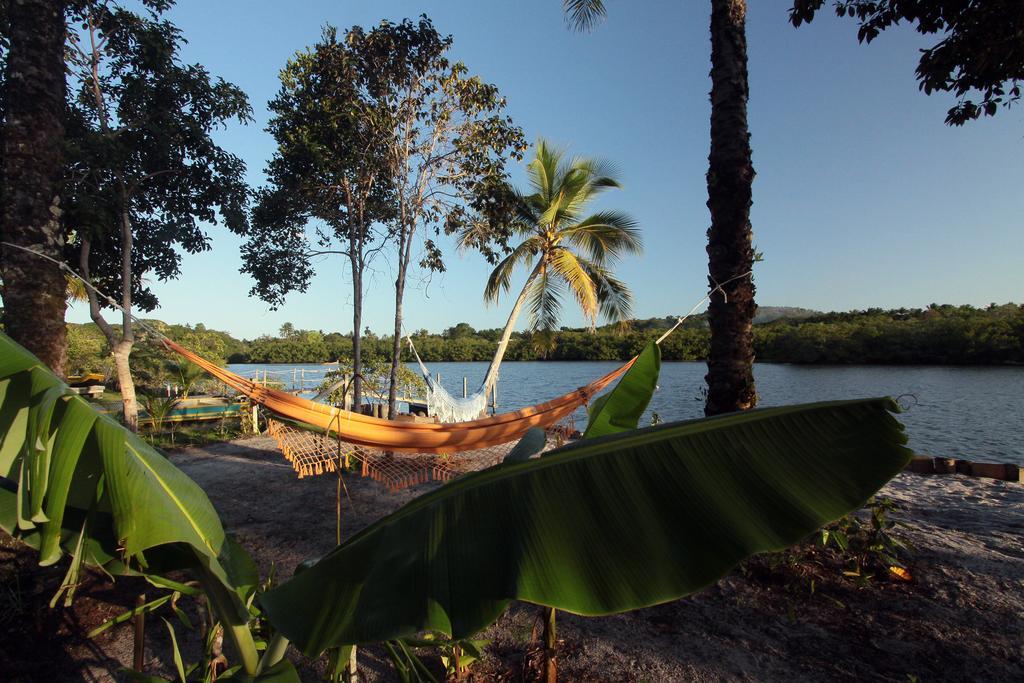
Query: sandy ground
[962,617]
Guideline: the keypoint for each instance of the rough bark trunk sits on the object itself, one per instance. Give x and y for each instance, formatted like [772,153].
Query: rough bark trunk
[730,375]
[491,378]
[34,291]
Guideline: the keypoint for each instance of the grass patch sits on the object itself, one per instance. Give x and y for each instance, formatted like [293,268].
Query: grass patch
[195,434]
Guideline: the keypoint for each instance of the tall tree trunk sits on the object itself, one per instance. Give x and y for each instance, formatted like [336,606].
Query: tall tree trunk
[404,253]
[491,378]
[34,291]
[120,345]
[357,328]
[121,351]
[730,375]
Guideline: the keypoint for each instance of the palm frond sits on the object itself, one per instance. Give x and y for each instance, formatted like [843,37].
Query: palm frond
[583,15]
[545,301]
[543,171]
[564,264]
[606,236]
[576,252]
[528,209]
[500,278]
[558,211]
[600,172]
[615,300]
[584,179]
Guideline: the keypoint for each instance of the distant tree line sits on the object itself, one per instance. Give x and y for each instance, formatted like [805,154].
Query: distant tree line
[939,334]
[935,335]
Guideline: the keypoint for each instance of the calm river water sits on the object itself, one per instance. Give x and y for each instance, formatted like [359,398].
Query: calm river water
[962,412]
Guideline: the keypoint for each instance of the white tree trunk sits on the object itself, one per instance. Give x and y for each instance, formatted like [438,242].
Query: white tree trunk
[121,351]
[491,378]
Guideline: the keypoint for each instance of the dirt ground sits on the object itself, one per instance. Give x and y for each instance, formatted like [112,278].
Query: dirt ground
[793,617]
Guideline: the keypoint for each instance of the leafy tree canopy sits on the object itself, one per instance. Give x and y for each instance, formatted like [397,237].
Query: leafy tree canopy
[979,57]
[140,145]
[328,173]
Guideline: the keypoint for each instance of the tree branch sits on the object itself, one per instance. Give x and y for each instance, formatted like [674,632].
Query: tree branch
[94,305]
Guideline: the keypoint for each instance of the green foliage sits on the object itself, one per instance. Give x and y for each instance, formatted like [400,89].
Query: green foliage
[139,146]
[76,482]
[328,190]
[159,408]
[867,548]
[939,334]
[444,128]
[583,15]
[91,489]
[856,548]
[214,665]
[88,351]
[456,656]
[597,527]
[187,375]
[201,434]
[154,367]
[619,410]
[977,55]
[935,335]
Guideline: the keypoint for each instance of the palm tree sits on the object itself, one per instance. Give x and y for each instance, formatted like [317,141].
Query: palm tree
[730,375]
[564,250]
[31,151]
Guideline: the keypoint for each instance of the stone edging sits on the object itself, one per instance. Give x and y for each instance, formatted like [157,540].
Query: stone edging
[1002,471]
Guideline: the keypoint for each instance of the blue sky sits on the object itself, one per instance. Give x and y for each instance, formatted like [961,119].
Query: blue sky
[863,197]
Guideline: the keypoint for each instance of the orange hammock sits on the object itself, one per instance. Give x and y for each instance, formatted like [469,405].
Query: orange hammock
[407,437]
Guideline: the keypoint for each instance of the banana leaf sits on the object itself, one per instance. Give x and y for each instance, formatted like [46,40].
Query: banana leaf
[620,409]
[76,469]
[601,526]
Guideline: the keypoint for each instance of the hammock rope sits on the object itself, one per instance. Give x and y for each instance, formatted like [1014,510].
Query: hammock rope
[317,438]
[404,436]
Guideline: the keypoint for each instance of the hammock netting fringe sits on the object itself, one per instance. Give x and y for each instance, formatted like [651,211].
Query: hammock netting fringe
[312,453]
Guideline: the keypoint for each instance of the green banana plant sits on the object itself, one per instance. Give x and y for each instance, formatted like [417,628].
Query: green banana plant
[605,525]
[601,526]
[619,410]
[79,483]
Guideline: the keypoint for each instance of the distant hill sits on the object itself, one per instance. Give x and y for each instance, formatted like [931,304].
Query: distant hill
[766,314]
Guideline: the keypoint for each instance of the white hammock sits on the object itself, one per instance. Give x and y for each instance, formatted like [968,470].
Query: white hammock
[443,405]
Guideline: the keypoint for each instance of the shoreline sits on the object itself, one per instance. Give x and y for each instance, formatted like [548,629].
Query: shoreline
[702,361]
